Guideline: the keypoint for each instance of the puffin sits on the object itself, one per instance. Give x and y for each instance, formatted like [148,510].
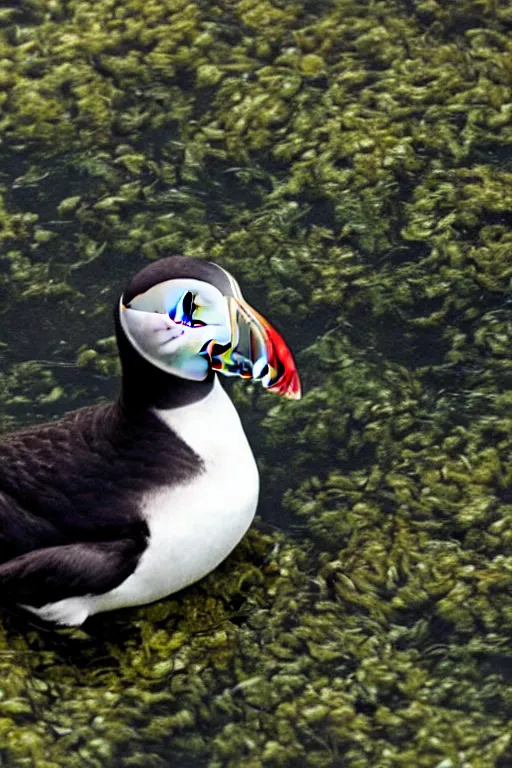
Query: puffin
[123,503]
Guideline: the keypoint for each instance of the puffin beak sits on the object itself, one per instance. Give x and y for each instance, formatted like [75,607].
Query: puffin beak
[256,351]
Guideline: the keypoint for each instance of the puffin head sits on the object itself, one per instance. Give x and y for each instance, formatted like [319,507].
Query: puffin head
[187,317]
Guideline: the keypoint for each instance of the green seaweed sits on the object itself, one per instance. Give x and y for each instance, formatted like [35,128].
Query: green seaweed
[350,162]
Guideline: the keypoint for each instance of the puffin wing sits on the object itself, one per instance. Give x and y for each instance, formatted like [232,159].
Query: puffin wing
[82,478]
[21,531]
[47,575]
[70,501]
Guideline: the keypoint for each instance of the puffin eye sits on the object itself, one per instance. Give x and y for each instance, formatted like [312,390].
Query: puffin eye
[184,310]
[188,304]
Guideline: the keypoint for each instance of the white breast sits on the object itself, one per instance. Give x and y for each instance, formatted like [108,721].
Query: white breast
[194,527]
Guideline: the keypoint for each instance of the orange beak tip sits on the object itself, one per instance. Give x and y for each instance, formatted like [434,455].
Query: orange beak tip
[296,394]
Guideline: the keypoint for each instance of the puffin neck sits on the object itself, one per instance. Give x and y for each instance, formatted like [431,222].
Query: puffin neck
[146,386]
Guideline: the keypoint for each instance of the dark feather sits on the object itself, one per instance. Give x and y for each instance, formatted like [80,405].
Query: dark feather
[74,487]
[54,573]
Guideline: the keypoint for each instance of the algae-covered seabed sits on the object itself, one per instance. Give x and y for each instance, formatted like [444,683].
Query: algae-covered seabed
[351,163]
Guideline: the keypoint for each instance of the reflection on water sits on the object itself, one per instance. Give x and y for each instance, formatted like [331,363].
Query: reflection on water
[349,162]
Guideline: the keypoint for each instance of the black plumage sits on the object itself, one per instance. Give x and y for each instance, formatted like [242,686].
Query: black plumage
[71,490]
[70,496]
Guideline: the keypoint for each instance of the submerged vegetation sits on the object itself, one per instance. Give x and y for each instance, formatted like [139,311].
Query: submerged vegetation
[351,163]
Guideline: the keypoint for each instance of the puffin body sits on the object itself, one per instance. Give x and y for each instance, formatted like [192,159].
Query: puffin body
[125,503]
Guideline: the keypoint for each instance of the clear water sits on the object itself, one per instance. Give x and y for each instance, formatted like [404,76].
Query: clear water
[350,164]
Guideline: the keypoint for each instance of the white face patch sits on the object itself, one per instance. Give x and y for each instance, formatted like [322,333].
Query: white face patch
[171,324]
[185,326]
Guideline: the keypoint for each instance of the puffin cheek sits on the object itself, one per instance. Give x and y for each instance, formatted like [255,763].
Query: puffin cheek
[144,326]
[159,340]
[193,341]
